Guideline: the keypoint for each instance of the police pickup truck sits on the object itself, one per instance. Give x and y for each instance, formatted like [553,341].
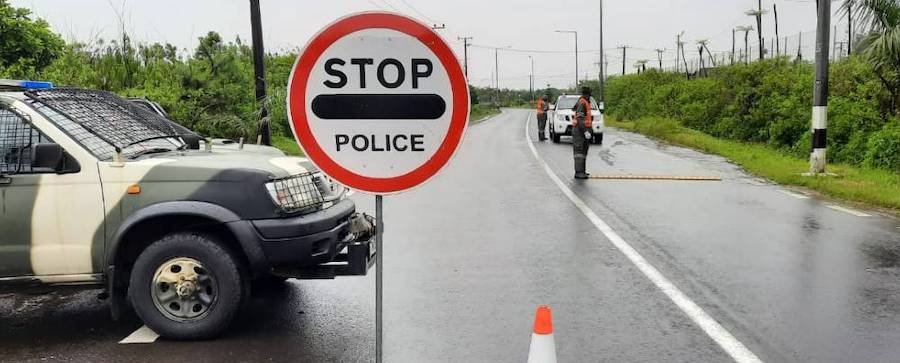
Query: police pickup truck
[98,192]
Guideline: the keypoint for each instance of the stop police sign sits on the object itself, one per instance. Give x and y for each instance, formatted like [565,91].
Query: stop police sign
[378,101]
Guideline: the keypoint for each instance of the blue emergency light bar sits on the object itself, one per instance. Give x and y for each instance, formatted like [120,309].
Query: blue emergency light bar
[25,84]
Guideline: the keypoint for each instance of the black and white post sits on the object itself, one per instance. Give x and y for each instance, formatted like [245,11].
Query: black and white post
[817,158]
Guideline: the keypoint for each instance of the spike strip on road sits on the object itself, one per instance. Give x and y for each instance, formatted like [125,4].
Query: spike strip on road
[713,329]
[656,177]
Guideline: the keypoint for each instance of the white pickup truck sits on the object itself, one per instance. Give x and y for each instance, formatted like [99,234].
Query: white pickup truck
[560,118]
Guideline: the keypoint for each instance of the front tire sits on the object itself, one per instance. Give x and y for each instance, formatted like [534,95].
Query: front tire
[186,286]
[598,139]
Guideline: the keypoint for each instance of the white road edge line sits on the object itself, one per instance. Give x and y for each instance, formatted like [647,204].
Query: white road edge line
[710,326]
[790,193]
[848,210]
[141,336]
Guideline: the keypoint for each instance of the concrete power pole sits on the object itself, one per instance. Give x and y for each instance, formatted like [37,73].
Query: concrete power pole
[659,56]
[624,48]
[602,81]
[817,159]
[465,54]
[777,40]
[259,73]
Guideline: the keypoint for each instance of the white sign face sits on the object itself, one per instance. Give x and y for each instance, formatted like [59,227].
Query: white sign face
[378,102]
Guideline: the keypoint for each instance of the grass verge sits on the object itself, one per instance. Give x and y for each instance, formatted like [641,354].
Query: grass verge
[481,112]
[286,144]
[873,187]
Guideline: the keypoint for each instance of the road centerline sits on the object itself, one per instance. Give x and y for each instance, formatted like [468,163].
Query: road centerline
[718,333]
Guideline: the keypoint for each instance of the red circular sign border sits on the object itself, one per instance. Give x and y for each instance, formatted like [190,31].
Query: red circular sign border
[297,96]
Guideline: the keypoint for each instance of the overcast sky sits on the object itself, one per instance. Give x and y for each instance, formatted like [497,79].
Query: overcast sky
[523,25]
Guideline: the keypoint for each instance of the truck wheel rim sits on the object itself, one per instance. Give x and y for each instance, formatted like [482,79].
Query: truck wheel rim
[183,289]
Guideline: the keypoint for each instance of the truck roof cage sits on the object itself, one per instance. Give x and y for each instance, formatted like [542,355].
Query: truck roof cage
[114,120]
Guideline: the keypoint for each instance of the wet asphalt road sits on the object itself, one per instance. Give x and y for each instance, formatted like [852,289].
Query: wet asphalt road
[471,254]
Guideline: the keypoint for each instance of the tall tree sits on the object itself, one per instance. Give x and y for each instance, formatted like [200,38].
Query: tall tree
[880,21]
[26,45]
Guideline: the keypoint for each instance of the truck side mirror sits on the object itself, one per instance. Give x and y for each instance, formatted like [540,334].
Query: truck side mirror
[47,156]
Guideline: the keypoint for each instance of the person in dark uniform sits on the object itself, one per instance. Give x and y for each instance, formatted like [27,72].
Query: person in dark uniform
[581,132]
[542,107]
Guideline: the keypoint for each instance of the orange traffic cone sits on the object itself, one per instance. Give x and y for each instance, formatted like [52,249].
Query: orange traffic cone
[543,348]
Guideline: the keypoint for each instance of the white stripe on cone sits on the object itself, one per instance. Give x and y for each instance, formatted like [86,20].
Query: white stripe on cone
[543,349]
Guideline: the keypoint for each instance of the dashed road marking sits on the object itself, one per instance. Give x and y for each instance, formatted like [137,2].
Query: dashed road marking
[141,336]
[790,193]
[848,210]
[710,326]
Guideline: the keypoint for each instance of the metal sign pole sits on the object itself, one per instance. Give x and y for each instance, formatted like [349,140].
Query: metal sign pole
[379,269]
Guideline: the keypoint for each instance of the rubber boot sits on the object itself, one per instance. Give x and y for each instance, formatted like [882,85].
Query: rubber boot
[541,136]
[579,167]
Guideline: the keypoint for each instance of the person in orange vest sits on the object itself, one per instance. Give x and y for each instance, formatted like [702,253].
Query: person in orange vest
[581,132]
[542,107]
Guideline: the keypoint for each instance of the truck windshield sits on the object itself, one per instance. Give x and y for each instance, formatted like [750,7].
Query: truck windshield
[567,103]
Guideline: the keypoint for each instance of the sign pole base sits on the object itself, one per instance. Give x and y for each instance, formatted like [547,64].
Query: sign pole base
[379,270]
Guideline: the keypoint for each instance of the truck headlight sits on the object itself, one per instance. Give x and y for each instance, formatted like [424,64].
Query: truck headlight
[296,193]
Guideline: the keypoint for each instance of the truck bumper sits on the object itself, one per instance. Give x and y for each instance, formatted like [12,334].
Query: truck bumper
[322,244]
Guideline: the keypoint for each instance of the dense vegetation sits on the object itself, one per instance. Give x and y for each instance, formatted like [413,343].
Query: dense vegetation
[770,102]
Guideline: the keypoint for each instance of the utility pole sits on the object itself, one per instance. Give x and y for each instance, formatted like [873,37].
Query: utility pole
[659,55]
[833,41]
[465,54]
[777,40]
[732,45]
[497,72]
[624,48]
[531,79]
[259,74]
[800,46]
[758,13]
[601,78]
[817,158]
[849,30]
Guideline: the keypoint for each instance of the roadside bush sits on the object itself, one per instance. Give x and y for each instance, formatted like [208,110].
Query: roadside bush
[884,148]
[656,126]
[768,102]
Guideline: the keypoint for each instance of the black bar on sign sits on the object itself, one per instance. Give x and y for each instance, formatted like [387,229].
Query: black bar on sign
[379,106]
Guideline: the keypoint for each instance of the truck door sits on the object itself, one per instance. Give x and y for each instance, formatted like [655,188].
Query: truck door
[50,219]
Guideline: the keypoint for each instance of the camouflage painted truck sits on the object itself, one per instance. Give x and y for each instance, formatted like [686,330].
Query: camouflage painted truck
[98,192]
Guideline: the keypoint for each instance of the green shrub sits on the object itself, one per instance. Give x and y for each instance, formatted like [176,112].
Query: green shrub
[766,102]
[884,148]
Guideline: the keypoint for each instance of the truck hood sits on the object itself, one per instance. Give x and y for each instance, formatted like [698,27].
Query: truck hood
[200,165]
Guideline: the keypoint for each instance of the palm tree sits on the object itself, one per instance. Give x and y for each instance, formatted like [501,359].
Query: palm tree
[880,21]
[746,29]
[758,13]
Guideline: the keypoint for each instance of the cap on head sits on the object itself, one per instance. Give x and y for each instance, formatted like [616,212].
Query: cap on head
[545,98]
[586,91]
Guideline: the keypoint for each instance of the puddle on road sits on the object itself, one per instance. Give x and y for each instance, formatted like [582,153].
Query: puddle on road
[883,255]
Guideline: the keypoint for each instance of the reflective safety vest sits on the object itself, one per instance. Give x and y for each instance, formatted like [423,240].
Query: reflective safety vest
[540,107]
[588,118]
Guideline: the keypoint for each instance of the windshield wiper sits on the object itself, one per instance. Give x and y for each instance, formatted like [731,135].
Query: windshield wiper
[153,150]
